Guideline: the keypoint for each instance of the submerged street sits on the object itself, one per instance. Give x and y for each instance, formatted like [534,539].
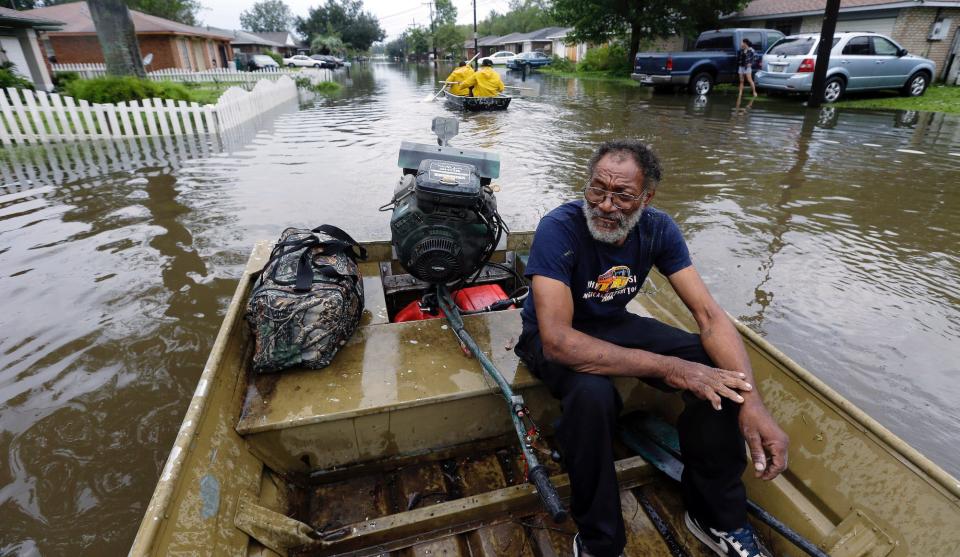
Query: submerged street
[834,233]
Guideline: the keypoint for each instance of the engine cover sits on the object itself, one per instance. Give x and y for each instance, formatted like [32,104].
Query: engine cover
[444,223]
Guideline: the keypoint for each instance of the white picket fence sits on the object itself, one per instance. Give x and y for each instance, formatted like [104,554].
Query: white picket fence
[36,117]
[218,75]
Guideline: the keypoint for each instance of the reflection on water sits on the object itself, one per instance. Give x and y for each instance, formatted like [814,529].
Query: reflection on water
[832,232]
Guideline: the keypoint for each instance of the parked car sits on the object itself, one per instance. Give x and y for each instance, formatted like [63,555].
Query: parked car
[303,61]
[251,62]
[325,60]
[713,60]
[858,62]
[499,58]
[535,59]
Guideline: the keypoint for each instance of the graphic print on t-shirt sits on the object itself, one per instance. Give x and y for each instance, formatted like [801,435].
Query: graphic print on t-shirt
[615,281]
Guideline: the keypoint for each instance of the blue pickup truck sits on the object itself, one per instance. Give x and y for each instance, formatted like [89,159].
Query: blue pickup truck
[713,60]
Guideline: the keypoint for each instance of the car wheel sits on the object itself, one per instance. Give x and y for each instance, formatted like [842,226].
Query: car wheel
[701,84]
[916,85]
[291,65]
[833,90]
[317,66]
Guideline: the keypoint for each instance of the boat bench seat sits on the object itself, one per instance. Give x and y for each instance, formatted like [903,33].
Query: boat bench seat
[394,389]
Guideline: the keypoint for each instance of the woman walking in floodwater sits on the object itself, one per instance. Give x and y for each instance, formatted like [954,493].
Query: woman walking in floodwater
[745,58]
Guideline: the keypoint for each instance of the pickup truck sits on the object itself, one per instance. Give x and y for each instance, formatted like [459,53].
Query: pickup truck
[713,60]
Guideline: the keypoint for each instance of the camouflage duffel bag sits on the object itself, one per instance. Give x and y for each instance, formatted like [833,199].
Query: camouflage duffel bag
[307,301]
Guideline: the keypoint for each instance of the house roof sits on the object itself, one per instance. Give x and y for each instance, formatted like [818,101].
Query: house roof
[489,40]
[538,35]
[281,38]
[13,18]
[511,38]
[241,37]
[763,8]
[560,33]
[77,21]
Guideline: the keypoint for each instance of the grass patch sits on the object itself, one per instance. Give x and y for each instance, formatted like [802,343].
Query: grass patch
[601,75]
[208,93]
[937,98]
[327,88]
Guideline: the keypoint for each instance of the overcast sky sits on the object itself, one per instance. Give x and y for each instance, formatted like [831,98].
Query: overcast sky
[395,15]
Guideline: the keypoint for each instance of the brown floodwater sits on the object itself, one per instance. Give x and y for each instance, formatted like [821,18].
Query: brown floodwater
[835,233]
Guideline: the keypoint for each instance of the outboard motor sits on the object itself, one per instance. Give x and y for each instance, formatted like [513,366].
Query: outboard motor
[445,224]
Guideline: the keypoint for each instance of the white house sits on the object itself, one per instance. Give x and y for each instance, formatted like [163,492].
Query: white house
[19,45]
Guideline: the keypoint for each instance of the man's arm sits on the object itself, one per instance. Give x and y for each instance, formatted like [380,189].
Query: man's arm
[565,345]
[723,344]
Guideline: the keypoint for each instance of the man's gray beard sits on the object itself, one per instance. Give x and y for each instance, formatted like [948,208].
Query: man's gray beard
[624,224]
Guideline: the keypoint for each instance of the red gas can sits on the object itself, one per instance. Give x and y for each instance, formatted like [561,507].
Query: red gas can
[467,299]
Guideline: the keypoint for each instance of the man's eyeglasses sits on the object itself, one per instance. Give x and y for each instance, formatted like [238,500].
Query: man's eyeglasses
[621,200]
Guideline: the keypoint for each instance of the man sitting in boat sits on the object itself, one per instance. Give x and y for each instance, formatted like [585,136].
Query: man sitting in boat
[486,82]
[458,76]
[589,258]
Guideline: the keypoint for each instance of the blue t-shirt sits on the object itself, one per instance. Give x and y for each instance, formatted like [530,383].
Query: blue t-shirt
[602,277]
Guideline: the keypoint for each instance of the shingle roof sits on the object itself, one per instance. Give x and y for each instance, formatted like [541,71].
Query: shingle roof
[279,37]
[511,38]
[16,18]
[245,37]
[489,40]
[759,8]
[77,20]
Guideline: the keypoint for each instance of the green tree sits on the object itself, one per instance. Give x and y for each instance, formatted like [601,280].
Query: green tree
[358,29]
[326,44]
[117,38]
[418,42]
[603,20]
[447,36]
[267,16]
[397,48]
[524,16]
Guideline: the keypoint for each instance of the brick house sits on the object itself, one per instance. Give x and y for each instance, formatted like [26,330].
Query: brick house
[927,28]
[19,46]
[173,45]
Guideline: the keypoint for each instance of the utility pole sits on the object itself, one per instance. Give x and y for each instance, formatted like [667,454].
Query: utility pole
[433,32]
[823,53]
[476,44]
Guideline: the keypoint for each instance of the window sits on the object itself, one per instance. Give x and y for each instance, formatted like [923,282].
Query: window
[883,47]
[772,38]
[719,41]
[858,46]
[755,38]
[793,46]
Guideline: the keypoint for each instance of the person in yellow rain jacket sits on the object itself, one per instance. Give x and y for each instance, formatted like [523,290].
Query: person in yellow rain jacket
[460,74]
[486,82]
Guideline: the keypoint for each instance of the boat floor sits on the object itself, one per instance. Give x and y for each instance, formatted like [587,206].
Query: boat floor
[359,496]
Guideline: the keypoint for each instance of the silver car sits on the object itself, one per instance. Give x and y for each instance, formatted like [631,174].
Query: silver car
[858,62]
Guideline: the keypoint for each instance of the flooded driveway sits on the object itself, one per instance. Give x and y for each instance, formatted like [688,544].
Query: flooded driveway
[834,233]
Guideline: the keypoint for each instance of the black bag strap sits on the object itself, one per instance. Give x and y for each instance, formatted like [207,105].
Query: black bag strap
[305,270]
[339,234]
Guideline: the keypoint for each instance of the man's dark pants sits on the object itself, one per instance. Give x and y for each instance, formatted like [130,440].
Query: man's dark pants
[711,442]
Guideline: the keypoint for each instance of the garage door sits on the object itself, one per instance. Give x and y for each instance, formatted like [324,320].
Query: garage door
[884,25]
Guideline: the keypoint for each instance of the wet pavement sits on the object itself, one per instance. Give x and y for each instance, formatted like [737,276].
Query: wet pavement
[835,233]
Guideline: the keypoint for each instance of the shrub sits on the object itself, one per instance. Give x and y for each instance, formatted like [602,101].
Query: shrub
[612,59]
[562,64]
[326,87]
[10,78]
[61,79]
[277,57]
[114,89]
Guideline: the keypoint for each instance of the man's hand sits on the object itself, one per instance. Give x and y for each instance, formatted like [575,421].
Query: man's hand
[707,383]
[768,443]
